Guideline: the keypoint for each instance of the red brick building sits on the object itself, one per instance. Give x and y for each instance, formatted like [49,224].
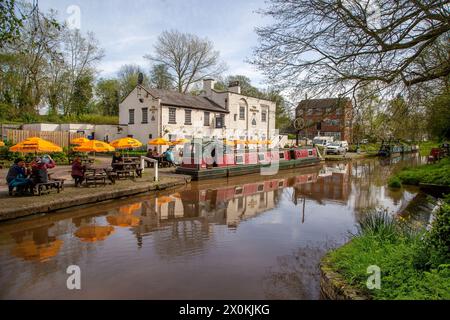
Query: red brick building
[326,117]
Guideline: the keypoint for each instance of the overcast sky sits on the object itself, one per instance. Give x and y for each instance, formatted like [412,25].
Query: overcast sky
[127,30]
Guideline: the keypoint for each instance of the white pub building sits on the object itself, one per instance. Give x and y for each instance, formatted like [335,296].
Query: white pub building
[150,113]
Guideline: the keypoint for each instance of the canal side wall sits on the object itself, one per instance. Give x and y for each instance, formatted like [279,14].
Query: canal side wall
[17,207]
[334,287]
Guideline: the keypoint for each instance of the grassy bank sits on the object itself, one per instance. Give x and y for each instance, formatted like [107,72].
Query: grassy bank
[426,146]
[414,265]
[438,173]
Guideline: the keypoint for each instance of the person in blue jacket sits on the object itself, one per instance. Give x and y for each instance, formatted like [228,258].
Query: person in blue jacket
[17,178]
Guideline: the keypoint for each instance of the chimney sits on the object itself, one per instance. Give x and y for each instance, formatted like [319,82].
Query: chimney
[235,87]
[208,86]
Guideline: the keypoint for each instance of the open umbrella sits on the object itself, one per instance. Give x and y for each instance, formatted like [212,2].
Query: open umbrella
[94,146]
[251,142]
[79,141]
[35,145]
[159,142]
[123,220]
[126,143]
[180,141]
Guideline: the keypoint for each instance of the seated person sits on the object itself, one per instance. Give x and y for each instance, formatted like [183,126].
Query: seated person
[117,158]
[78,171]
[17,178]
[169,156]
[39,172]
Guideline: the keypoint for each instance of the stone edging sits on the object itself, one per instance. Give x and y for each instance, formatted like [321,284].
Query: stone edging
[95,197]
[333,286]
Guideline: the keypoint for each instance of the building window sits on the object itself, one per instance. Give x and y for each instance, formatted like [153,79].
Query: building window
[264,116]
[235,117]
[131,116]
[172,115]
[144,115]
[206,121]
[241,113]
[188,117]
[253,122]
[220,121]
[150,136]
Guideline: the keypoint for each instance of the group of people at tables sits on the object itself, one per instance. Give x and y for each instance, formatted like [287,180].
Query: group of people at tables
[167,156]
[25,177]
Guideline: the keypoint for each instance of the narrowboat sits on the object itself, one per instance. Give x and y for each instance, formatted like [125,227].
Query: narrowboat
[229,163]
[394,150]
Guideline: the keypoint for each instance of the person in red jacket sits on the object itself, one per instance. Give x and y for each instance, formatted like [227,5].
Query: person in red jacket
[39,166]
[78,171]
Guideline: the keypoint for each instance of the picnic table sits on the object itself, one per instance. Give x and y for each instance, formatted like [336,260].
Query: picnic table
[127,169]
[84,161]
[96,176]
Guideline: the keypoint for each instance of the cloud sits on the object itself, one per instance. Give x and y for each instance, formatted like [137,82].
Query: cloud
[127,30]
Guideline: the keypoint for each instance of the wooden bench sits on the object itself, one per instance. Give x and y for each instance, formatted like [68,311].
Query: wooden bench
[45,188]
[95,180]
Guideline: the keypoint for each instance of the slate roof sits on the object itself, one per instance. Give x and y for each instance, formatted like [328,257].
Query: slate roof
[185,100]
[321,103]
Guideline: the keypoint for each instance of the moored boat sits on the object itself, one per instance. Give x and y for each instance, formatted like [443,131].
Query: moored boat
[238,162]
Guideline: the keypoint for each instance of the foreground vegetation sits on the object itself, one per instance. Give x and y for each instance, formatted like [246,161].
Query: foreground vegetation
[413,264]
[438,173]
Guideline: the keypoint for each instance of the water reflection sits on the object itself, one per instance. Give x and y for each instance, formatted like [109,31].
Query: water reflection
[254,237]
[36,244]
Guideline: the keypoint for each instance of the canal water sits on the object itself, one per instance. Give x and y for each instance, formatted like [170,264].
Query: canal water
[253,237]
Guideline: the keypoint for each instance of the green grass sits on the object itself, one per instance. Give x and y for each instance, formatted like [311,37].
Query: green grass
[438,173]
[412,266]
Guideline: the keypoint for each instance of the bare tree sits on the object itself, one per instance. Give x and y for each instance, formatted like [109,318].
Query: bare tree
[329,46]
[188,57]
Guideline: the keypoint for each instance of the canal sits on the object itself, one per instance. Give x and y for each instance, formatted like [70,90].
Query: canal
[253,237]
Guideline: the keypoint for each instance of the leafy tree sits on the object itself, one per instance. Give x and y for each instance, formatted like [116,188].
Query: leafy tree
[160,78]
[128,79]
[438,116]
[107,92]
[10,22]
[82,95]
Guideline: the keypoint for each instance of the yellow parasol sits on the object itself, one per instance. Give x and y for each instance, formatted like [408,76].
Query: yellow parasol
[79,141]
[94,146]
[35,145]
[180,141]
[251,142]
[126,143]
[2,144]
[159,142]
[94,233]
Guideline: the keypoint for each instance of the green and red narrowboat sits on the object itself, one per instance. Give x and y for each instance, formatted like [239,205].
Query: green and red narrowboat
[230,163]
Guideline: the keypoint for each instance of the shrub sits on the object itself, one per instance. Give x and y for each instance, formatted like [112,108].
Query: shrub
[377,223]
[394,182]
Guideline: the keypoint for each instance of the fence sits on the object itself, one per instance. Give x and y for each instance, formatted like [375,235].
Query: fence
[60,138]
